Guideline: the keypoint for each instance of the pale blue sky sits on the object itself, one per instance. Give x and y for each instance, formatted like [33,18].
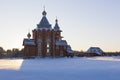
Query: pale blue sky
[85,23]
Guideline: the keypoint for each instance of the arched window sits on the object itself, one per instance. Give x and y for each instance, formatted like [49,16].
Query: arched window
[48,47]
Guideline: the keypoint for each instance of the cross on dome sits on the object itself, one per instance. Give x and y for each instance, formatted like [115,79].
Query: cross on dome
[44,13]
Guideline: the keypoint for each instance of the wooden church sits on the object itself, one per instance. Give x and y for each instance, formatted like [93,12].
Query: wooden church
[46,41]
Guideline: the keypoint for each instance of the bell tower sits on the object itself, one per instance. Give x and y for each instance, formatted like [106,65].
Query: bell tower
[57,31]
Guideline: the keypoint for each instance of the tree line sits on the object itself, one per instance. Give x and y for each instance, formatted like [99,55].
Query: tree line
[11,53]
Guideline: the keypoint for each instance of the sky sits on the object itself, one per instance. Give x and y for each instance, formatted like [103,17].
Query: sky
[84,23]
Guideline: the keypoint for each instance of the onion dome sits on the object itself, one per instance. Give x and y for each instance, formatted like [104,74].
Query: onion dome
[44,13]
[28,35]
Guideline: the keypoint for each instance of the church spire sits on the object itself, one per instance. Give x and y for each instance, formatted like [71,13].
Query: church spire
[44,23]
[57,28]
[56,20]
[44,13]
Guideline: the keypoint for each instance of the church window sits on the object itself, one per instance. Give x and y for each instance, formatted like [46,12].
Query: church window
[48,50]
[48,47]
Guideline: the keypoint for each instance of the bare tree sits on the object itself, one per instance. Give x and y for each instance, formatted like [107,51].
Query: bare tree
[1,50]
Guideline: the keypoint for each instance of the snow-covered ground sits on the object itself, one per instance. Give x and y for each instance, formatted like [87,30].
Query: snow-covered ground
[96,68]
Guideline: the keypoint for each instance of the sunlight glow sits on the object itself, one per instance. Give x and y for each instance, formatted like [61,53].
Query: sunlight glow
[9,64]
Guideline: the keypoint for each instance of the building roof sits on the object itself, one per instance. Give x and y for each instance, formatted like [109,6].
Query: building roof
[96,50]
[28,42]
[61,43]
[69,50]
[44,23]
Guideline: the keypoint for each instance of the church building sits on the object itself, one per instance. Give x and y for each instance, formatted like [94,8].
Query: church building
[46,41]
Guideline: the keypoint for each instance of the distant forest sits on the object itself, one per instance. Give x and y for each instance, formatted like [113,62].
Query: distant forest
[19,53]
[11,53]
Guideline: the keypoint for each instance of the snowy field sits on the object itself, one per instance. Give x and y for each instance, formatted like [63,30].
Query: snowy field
[96,68]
